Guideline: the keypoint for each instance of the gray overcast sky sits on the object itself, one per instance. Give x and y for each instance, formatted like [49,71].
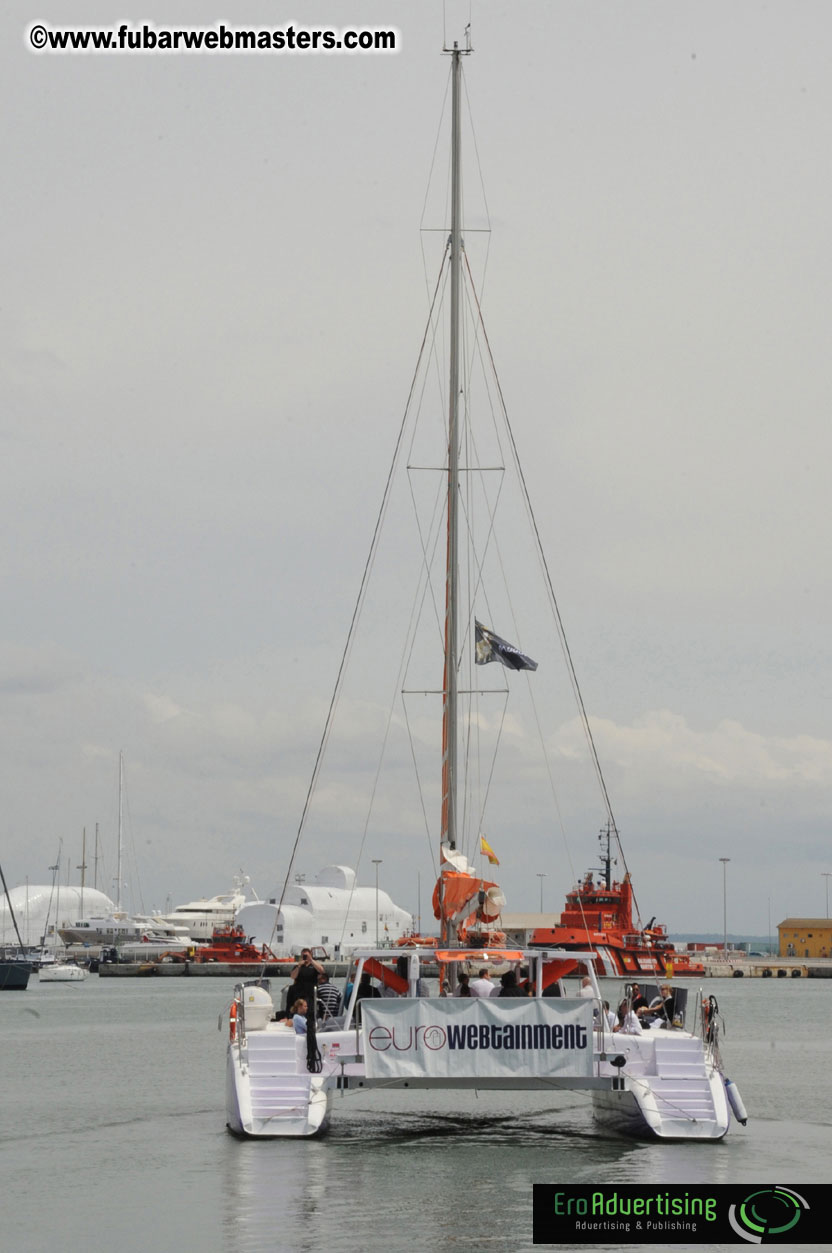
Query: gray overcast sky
[213,297]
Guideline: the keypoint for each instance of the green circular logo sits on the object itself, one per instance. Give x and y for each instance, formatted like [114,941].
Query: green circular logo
[768,1214]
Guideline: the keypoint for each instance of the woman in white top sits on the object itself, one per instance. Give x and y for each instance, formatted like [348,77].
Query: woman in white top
[628,1023]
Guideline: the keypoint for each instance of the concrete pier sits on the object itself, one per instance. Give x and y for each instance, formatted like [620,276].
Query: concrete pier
[741,966]
[202,970]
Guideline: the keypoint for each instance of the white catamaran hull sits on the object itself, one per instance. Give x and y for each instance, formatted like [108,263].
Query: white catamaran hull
[269,1092]
[670,1088]
[662,1084]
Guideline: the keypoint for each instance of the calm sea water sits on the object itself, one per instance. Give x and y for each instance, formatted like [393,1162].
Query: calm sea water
[112,1133]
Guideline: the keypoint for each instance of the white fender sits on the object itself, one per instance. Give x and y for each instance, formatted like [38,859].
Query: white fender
[735,1101]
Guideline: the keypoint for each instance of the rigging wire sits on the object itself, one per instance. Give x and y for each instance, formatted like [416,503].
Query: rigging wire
[573,677]
[362,592]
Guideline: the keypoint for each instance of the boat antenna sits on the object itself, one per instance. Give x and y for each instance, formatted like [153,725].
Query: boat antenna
[605,836]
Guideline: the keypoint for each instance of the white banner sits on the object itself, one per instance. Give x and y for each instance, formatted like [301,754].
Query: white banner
[466,1039]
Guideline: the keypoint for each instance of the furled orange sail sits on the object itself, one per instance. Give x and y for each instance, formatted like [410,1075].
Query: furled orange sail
[462,898]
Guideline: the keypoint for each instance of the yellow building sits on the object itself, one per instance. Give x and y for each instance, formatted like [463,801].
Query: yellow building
[805,937]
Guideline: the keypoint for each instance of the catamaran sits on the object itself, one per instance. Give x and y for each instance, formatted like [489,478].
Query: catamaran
[658,1077]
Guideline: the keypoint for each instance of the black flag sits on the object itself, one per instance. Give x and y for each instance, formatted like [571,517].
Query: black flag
[489,647]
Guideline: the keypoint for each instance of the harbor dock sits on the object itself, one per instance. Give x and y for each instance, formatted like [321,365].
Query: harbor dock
[199,970]
[717,966]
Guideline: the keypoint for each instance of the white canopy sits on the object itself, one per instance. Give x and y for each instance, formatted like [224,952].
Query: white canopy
[31,905]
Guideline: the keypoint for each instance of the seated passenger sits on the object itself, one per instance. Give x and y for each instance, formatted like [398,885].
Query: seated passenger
[482,985]
[628,1023]
[638,1002]
[296,1018]
[329,998]
[463,987]
[509,985]
[667,1012]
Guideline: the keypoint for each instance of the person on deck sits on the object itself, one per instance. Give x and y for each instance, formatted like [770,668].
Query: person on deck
[304,977]
[509,985]
[638,1002]
[296,1017]
[663,1007]
[628,1023]
[329,998]
[482,985]
[463,987]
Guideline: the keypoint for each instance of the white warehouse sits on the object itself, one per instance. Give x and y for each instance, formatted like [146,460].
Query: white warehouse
[333,912]
[40,908]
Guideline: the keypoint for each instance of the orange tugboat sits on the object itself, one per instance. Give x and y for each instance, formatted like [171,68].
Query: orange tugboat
[599,916]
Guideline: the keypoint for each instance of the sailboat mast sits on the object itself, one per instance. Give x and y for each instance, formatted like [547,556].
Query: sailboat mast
[8,900]
[83,866]
[449,721]
[450,736]
[120,807]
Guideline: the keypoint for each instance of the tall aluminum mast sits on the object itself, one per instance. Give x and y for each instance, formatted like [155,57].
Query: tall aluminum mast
[449,722]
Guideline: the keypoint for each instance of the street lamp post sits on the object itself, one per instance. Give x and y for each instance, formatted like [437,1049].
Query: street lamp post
[541,877]
[826,874]
[725,861]
[377,862]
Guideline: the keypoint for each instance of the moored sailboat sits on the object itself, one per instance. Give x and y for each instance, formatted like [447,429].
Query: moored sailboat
[661,1080]
[58,970]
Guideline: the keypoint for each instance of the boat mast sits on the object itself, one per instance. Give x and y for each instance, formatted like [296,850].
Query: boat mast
[54,870]
[449,721]
[120,791]
[8,900]
[83,866]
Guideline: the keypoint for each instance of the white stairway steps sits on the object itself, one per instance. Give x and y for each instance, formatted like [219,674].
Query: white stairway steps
[277,1089]
[681,1085]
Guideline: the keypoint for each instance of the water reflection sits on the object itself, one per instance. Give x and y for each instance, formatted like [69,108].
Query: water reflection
[434,1168]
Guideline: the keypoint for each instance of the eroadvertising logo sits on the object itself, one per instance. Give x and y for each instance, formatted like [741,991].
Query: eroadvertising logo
[768,1214]
[690,1214]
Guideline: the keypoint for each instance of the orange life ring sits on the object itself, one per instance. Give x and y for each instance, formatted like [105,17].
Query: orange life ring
[232,1021]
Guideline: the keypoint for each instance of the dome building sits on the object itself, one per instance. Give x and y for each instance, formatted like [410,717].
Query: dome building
[31,905]
[332,912]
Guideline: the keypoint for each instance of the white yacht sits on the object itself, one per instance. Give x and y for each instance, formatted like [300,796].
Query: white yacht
[199,918]
[118,928]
